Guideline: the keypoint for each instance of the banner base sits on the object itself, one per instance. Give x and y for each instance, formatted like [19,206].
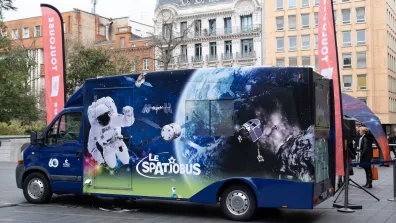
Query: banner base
[350,206]
[345,210]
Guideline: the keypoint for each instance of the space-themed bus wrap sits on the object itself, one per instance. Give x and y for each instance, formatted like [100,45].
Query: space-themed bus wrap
[245,137]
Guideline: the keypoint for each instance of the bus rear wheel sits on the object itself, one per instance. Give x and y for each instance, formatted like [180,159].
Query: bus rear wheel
[238,203]
[36,189]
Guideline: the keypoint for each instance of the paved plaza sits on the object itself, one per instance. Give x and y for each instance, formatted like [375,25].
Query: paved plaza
[69,209]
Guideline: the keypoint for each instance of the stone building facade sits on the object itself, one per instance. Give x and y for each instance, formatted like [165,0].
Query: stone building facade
[219,33]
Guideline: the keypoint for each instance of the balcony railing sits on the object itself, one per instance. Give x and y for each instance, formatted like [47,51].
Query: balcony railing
[183,59]
[206,32]
[212,57]
[197,59]
[226,56]
[245,55]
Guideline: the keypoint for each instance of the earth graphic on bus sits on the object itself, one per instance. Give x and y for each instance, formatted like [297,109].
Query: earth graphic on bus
[223,156]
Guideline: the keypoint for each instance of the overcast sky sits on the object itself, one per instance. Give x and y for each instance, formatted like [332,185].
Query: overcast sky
[138,10]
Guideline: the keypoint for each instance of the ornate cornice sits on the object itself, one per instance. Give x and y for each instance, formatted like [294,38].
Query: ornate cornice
[206,14]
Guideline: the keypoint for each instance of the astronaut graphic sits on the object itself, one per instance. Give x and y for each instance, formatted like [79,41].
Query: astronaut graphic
[105,129]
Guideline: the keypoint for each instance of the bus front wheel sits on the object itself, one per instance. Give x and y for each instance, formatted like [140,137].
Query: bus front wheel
[238,202]
[36,188]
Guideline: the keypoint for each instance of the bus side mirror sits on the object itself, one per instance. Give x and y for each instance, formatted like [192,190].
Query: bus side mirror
[33,138]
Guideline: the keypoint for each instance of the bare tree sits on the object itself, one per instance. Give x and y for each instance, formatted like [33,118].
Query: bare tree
[166,41]
[6,5]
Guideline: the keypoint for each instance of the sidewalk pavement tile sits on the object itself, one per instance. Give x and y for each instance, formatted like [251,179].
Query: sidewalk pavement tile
[360,219]
[378,219]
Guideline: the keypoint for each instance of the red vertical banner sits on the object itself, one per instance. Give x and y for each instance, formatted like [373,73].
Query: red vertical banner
[328,66]
[54,60]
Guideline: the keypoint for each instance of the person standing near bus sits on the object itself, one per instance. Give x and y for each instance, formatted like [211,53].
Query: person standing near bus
[366,147]
[392,140]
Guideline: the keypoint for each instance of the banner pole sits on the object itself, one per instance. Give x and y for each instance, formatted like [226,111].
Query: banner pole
[339,82]
[394,181]
[346,208]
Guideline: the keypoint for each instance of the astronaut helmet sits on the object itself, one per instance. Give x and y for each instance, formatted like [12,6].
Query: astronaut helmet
[102,113]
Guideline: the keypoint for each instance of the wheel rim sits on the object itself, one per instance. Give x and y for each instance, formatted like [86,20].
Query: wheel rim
[237,202]
[36,188]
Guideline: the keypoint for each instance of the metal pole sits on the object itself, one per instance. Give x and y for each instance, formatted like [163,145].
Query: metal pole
[394,182]
[346,209]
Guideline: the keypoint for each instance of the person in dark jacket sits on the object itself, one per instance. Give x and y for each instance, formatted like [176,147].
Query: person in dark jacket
[392,140]
[356,145]
[366,146]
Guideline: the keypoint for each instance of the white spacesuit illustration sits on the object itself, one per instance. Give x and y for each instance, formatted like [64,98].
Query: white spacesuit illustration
[105,129]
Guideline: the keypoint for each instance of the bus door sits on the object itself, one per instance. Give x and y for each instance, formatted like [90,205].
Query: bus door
[113,139]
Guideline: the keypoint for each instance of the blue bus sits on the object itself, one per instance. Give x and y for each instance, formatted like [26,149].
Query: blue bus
[246,138]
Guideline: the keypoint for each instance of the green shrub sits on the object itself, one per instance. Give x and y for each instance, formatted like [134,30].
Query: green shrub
[15,127]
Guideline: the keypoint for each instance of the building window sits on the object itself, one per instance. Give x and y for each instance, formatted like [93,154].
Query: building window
[166,30]
[198,27]
[146,44]
[360,14]
[292,21]
[279,4]
[347,79]
[346,38]
[280,62]
[347,60]
[346,0]
[15,34]
[363,99]
[145,64]
[228,49]
[280,44]
[292,4]
[4,33]
[280,21]
[316,19]
[362,85]
[293,61]
[213,49]
[246,23]
[316,63]
[361,59]
[346,16]
[122,42]
[247,47]
[183,28]
[317,2]
[227,25]
[37,31]
[26,33]
[306,61]
[292,43]
[198,52]
[316,41]
[335,16]
[304,3]
[305,42]
[361,37]
[305,20]
[133,65]
[212,27]
[183,53]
